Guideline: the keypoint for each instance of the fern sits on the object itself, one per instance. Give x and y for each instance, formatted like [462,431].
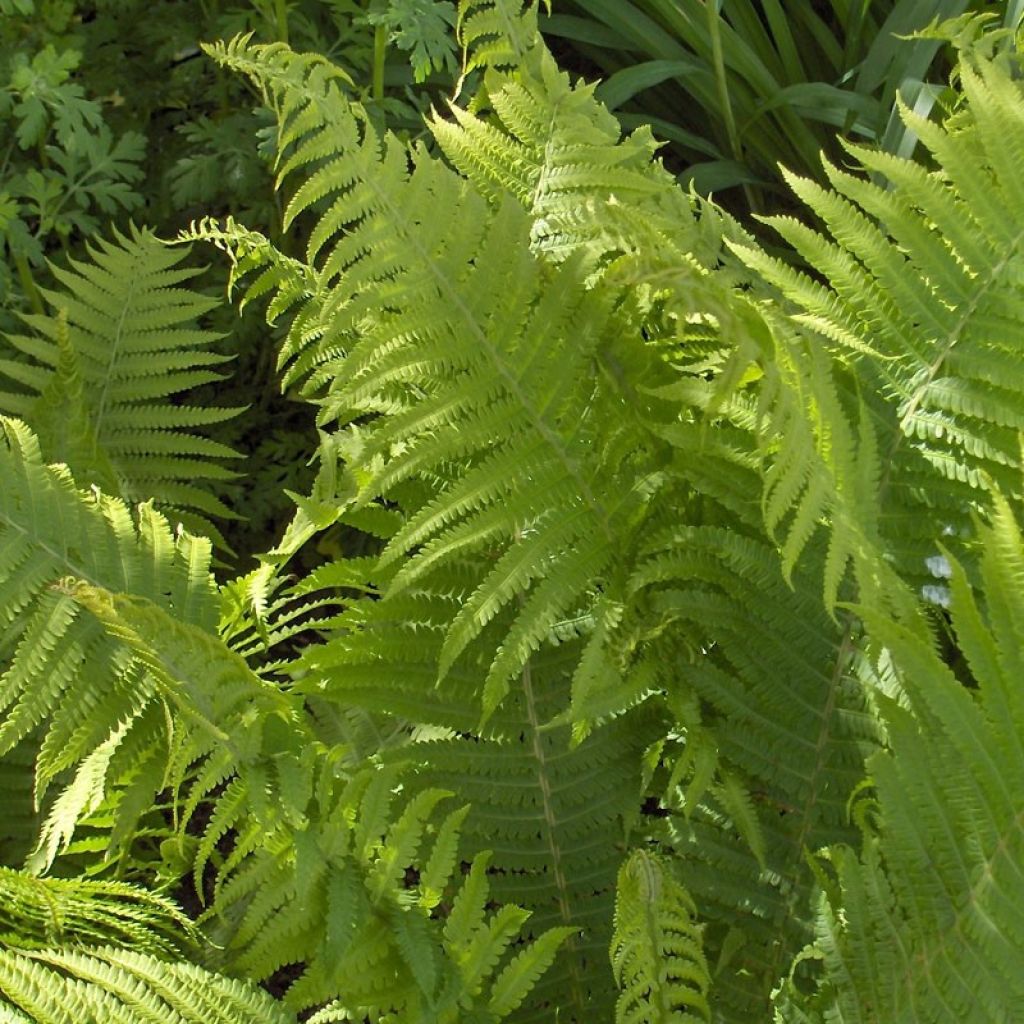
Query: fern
[68,986]
[98,375]
[481,358]
[639,605]
[447,401]
[100,710]
[929,328]
[926,920]
[41,912]
[656,953]
[314,849]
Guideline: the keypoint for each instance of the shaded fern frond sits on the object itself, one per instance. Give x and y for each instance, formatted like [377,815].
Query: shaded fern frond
[773,730]
[927,922]
[98,379]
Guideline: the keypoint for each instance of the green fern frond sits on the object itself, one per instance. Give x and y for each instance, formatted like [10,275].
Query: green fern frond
[773,731]
[561,154]
[69,986]
[90,699]
[40,912]
[921,297]
[322,854]
[497,34]
[547,811]
[927,921]
[454,376]
[97,379]
[656,951]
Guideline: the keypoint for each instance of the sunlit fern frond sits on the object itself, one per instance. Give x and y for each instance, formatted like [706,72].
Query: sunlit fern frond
[919,298]
[65,685]
[36,913]
[656,951]
[71,986]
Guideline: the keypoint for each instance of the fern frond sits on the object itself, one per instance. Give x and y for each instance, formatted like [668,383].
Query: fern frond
[656,950]
[40,912]
[68,986]
[773,730]
[455,376]
[322,854]
[928,920]
[561,154]
[92,701]
[497,34]
[101,373]
[922,296]
[547,811]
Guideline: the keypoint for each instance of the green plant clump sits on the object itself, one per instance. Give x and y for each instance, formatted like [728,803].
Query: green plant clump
[660,659]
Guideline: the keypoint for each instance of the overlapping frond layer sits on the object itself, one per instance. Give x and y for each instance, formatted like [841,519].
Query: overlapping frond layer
[86,700]
[774,731]
[99,378]
[551,815]
[558,151]
[319,851]
[922,299]
[544,810]
[928,921]
[70,985]
[479,374]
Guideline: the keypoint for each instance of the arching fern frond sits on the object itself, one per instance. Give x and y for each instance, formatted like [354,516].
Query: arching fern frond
[470,364]
[922,297]
[36,913]
[320,852]
[96,706]
[98,378]
[927,921]
[497,34]
[561,154]
[70,986]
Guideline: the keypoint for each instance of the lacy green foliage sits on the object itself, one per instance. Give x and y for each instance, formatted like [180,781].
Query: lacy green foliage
[68,986]
[316,872]
[636,616]
[922,337]
[40,912]
[96,705]
[515,437]
[98,379]
[551,146]
[575,541]
[314,848]
[926,920]
[656,952]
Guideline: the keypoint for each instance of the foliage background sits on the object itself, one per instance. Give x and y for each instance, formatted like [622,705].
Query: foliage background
[338,751]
